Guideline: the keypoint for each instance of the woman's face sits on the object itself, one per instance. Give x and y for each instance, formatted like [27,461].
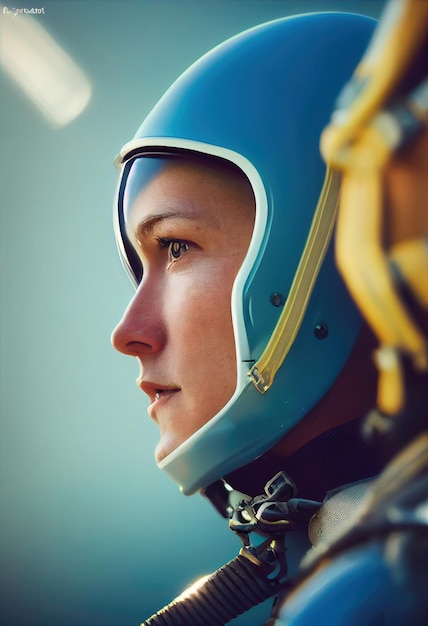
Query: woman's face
[191,226]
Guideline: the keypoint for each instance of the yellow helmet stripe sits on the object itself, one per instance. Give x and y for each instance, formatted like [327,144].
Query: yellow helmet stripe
[264,370]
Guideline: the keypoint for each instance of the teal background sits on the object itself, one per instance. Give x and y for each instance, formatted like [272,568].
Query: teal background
[91,532]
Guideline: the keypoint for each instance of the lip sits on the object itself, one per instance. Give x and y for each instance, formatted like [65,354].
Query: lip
[158,393]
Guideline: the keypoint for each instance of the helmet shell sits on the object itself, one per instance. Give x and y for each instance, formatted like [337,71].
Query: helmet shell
[261,100]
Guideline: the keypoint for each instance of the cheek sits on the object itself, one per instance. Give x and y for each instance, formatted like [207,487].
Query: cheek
[200,310]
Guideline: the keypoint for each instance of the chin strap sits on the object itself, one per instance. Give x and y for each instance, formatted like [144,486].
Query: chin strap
[258,572]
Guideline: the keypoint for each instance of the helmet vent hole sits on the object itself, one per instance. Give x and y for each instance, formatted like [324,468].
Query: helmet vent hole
[277,299]
[321,331]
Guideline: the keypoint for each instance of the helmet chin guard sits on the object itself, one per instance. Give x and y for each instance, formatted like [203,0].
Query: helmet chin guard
[260,101]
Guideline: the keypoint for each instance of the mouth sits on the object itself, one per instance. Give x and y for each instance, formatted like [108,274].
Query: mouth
[158,394]
[161,393]
[160,399]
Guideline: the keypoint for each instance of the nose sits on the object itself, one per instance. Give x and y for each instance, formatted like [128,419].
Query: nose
[140,331]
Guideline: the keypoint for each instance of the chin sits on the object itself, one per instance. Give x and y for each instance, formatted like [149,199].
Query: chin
[167,444]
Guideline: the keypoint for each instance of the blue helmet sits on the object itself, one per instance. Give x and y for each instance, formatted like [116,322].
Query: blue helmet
[260,101]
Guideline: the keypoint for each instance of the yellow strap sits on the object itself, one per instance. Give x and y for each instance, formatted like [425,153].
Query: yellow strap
[390,391]
[402,28]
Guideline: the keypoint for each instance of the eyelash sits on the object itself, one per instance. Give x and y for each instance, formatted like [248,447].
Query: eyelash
[174,246]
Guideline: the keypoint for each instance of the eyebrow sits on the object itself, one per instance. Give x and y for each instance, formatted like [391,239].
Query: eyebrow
[146,226]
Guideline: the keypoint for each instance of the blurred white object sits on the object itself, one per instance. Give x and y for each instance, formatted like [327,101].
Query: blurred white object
[43,70]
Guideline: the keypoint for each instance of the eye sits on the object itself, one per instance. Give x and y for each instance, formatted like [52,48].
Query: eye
[176,249]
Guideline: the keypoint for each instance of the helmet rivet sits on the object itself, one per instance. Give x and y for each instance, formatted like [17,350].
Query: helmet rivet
[277,299]
[321,331]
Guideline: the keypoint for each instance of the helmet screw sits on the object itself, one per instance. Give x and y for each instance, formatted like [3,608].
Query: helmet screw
[277,299]
[321,331]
